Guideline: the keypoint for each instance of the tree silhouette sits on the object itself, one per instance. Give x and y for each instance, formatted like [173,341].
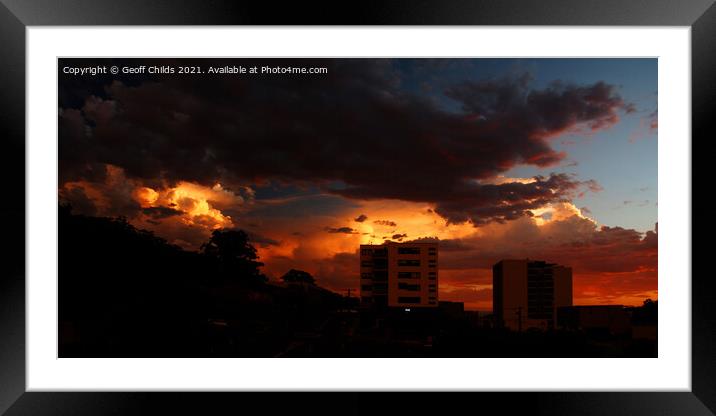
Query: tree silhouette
[298,276]
[647,314]
[235,255]
[124,292]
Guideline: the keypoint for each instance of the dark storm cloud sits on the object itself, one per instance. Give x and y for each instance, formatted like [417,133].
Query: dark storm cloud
[161,212]
[484,203]
[387,223]
[319,204]
[262,240]
[116,193]
[354,131]
[361,218]
[540,113]
[79,201]
[341,230]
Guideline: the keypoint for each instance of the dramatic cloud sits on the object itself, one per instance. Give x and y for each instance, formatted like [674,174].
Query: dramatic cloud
[623,260]
[481,204]
[341,230]
[262,241]
[610,264]
[161,212]
[366,139]
[387,223]
[540,113]
[184,213]
[302,162]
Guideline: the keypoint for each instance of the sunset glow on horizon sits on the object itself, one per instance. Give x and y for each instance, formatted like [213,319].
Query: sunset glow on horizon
[490,165]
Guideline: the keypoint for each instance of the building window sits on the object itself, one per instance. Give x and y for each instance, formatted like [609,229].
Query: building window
[410,263]
[380,276]
[408,250]
[432,263]
[366,263]
[366,251]
[432,251]
[408,286]
[540,292]
[408,275]
[380,263]
[409,299]
[366,287]
[366,275]
[432,275]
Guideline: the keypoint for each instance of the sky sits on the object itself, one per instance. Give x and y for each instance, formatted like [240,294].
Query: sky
[547,159]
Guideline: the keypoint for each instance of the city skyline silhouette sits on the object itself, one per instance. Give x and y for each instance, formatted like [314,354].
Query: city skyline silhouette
[306,165]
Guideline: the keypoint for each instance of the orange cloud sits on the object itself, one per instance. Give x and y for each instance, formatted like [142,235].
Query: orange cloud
[184,214]
[610,264]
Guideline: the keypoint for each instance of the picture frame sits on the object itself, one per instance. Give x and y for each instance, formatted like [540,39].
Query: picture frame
[15,16]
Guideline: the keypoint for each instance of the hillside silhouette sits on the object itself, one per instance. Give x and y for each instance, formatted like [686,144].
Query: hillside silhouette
[124,292]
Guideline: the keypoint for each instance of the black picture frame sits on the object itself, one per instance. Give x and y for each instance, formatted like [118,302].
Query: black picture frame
[16,15]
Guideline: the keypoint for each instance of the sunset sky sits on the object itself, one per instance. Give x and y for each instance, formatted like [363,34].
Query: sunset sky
[550,159]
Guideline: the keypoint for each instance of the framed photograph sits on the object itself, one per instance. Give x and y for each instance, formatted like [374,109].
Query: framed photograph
[492,199]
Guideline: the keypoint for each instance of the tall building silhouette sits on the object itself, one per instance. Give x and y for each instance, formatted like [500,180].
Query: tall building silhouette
[526,294]
[399,275]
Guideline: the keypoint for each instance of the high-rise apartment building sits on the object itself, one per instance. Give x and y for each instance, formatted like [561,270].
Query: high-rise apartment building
[399,275]
[526,294]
